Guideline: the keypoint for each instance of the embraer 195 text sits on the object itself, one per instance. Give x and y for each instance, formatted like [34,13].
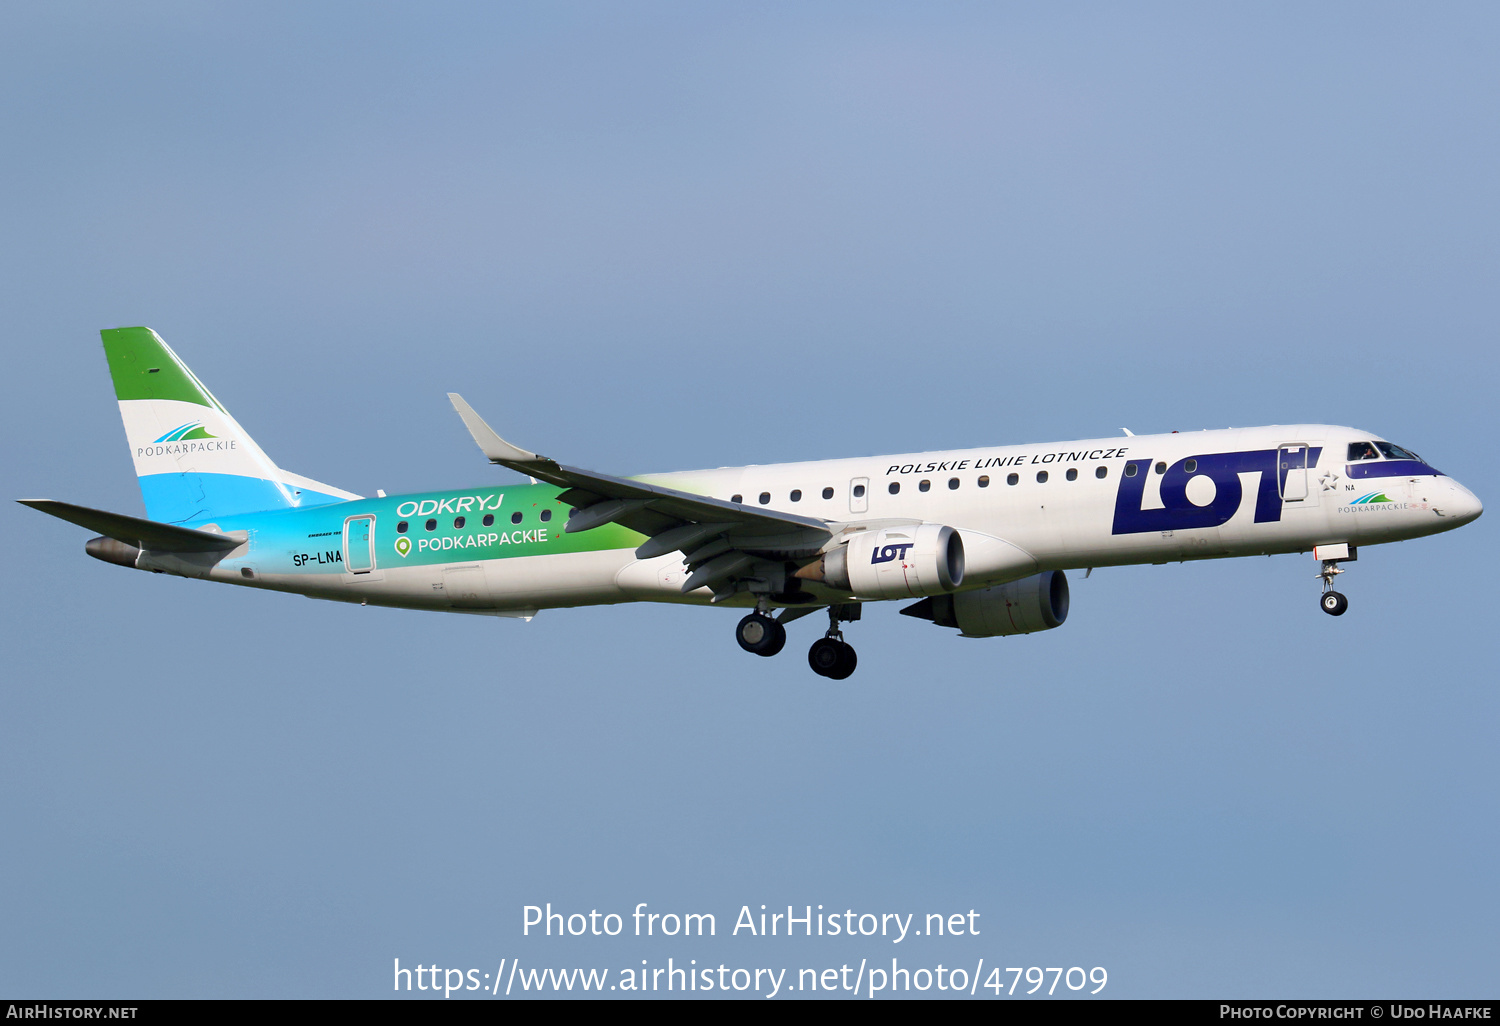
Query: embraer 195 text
[980,538]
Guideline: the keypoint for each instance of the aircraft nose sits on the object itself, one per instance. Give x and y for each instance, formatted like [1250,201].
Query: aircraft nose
[1464,504]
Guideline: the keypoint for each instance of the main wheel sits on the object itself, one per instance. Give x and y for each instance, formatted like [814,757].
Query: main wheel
[832,658]
[761,635]
[1334,604]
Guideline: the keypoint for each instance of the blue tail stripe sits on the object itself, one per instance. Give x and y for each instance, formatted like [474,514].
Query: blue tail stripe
[203,498]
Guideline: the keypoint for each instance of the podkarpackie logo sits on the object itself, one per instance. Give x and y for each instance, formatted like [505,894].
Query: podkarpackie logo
[1373,497]
[185,433]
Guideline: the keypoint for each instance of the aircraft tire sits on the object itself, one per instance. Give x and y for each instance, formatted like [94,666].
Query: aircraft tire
[832,658]
[1334,603]
[760,635]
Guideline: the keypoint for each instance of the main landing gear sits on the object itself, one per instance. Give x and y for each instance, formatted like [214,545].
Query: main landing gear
[760,634]
[830,656]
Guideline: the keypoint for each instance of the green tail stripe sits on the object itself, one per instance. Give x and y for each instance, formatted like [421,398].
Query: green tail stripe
[144,368]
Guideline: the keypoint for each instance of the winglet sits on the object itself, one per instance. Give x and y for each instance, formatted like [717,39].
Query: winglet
[495,448]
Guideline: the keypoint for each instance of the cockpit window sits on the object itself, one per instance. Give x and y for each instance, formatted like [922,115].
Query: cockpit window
[1395,452]
[1362,451]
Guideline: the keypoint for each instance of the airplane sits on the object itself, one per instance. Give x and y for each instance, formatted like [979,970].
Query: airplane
[980,538]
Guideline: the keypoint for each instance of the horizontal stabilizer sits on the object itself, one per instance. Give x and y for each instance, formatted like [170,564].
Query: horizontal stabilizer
[144,534]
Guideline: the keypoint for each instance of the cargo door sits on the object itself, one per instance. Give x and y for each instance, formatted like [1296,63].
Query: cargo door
[466,587]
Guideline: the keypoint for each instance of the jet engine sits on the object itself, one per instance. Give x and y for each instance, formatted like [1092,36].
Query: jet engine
[1036,603]
[893,562]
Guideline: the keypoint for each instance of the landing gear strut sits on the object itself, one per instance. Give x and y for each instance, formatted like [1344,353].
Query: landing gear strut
[1333,602]
[831,656]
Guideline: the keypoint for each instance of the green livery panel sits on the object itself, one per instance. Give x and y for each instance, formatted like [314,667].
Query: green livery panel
[144,368]
[527,520]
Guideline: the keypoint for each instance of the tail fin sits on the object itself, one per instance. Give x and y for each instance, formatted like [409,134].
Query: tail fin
[194,461]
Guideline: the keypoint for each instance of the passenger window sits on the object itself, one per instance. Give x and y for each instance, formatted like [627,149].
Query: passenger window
[431,525]
[458,521]
[1191,466]
[828,492]
[984,480]
[515,517]
[401,527]
[895,487]
[1013,479]
[546,515]
[765,497]
[1130,470]
[952,483]
[1161,468]
[1101,472]
[489,520]
[796,495]
[1395,452]
[1362,451]
[736,498]
[925,486]
[1072,473]
[1041,477]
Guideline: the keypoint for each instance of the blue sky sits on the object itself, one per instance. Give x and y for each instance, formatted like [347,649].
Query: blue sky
[660,236]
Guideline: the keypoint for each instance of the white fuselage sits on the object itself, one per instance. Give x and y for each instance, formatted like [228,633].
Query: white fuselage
[1020,509]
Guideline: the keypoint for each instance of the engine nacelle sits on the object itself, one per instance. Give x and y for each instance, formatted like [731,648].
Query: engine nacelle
[894,562]
[1036,603]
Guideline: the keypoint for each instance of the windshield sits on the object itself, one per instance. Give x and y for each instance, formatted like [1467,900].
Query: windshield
[1362,451]
[1395,452]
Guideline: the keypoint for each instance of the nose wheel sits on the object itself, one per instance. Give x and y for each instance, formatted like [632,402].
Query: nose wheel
[1334,603]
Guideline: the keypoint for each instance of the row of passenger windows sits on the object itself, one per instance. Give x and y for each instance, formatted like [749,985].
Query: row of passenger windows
[458,522]
[954,483]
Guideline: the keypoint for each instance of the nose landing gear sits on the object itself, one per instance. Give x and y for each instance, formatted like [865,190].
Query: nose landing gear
[1333,602]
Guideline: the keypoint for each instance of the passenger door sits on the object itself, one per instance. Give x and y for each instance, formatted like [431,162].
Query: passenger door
[1291,461]
[359,545]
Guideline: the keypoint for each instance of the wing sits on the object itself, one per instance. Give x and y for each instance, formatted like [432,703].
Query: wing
[726,544]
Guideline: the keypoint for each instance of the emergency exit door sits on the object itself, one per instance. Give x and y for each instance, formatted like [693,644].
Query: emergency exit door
[859,495]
